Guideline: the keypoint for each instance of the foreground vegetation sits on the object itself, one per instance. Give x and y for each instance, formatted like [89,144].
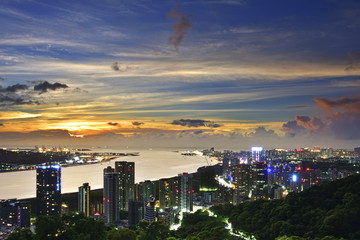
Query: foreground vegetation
[331,209]
[195,226]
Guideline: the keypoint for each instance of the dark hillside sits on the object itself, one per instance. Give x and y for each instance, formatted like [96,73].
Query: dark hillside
[331,209]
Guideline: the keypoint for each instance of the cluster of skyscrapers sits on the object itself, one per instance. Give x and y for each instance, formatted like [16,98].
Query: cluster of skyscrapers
[242,176]
[272,174]
[122,198]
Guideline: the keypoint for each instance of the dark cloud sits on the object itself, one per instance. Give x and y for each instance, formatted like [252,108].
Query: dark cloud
[6,99]
[195,123]
[261,132]
[45,86]
[120,68]
[137,123]
[2,79]
[15,88]
[313,124]
[348,103]
[113,124]
[1,125]
[303,125]
[292,127]
[21,94]
[197,132]
[180,28]
[345,125]
[354,61]
[300,106]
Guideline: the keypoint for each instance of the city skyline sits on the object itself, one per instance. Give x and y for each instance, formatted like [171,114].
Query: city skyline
[224,73]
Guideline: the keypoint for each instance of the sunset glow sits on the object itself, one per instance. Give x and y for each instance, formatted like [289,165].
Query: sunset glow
[242,73]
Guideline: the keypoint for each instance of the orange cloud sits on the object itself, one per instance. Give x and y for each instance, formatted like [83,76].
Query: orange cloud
[348,103]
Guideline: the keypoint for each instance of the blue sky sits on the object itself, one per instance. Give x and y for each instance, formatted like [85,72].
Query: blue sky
[249,66]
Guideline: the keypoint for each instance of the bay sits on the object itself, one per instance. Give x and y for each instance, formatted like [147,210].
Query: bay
[150,165]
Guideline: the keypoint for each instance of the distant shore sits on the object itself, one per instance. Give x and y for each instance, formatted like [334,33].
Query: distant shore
[24,167]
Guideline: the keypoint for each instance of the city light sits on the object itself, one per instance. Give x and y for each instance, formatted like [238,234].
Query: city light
[294,178]
[49,166]
[231,178]
[256,149]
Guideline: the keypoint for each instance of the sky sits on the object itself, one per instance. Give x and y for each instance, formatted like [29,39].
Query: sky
[194,73]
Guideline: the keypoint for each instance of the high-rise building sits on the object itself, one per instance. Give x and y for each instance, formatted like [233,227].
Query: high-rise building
[48,189]
[242,182]
[175,192]
[186,192]
[256,153]
[145,190]
[165,193]
[84,199]
[259,181]
[136,212]
[148,190]
[226,166]
[111,196]
[126,183]
[14,213]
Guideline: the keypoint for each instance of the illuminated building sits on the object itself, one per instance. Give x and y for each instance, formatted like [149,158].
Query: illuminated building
[84,199]
[148,190]
[175,192]
[259,181]
[48,189]
[295,183]
[150,210]
[278,192]
[167,216]
[64,209]
[165,192]
[96,208]
[186,192]
[307,177]
[14,213]
[208,184]
[111,196]
[242,182]
[226,165]
[126,183]
[256,154]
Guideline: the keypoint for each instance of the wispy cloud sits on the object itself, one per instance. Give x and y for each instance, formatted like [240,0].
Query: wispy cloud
[354,61]
[120,68]
[8,115]
[299,106]
[26,40]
